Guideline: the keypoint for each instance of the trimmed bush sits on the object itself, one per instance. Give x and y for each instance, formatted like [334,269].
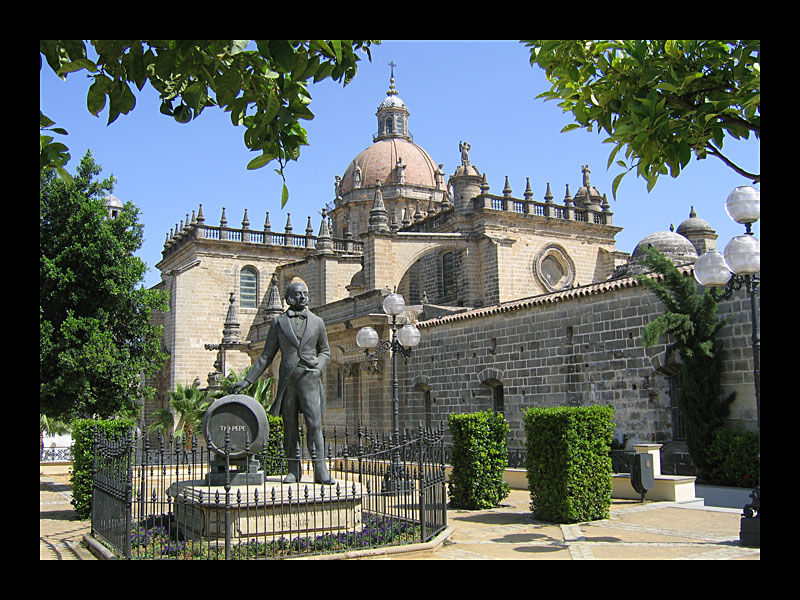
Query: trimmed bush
[734,458]
[569,468]
[270,463]
[83,458]
[480,456]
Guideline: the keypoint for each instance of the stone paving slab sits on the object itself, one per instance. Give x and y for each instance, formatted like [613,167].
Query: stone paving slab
[713,524]
[60,530]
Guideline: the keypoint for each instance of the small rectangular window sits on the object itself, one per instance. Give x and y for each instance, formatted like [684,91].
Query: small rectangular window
[498,400]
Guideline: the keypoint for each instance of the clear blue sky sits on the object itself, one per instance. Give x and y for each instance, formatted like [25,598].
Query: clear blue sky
[481,92]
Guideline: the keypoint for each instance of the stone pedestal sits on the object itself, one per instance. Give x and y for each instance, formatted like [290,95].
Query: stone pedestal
[248,473]
[669,488]
[271,509]
[655,451]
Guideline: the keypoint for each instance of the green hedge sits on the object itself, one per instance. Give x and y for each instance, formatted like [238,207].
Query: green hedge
[480,456]
[734,458]
[569,468]
[83,458]
[274,465]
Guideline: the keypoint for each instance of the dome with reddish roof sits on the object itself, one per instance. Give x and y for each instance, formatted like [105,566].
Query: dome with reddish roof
[388,160]
[393,158]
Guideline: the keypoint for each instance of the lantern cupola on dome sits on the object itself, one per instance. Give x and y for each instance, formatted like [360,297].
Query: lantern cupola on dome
[392,114]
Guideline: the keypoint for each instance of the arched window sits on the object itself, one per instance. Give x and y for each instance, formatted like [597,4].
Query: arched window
[389,124]
[248,288]
[498,400]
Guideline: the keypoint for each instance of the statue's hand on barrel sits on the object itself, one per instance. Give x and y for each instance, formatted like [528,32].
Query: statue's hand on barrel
[239,386]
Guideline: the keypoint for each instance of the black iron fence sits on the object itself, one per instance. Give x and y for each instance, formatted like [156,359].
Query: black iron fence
[166,501]
[55,454]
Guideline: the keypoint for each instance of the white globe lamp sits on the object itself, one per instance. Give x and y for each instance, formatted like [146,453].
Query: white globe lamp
[743,255]
[711,270]
[744,204]
[394,304]
[408,335]
[367,337]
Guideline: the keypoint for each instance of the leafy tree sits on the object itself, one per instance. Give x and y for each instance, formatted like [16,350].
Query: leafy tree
[190,405]
[269,81]
[691,319]
[95,336]
[662,100]
[53,155]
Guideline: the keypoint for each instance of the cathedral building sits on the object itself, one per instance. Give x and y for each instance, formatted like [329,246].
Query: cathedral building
[520,302]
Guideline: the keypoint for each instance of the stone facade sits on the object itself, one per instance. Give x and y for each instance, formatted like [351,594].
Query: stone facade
[521,302]
[572,348]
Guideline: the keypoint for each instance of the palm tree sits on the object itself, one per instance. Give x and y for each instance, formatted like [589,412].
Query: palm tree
[189,404]
[50,427]
[261,390]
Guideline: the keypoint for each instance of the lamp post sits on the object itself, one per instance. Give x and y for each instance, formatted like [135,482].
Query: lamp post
[403,340]
[739,268]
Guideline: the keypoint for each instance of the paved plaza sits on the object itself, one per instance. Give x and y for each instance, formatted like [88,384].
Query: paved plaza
[60,531]
[634,531]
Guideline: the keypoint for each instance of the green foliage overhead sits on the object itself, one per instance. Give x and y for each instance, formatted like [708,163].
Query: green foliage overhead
[262,85]
[660,100]
[691,325]
[95,335]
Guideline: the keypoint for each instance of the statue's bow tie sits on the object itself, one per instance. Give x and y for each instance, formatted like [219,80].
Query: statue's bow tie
[299,315]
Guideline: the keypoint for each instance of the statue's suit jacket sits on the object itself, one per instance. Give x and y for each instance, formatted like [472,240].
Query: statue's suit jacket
[310,352]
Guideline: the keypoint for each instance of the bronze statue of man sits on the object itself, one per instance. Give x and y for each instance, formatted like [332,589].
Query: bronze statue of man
[303,342]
